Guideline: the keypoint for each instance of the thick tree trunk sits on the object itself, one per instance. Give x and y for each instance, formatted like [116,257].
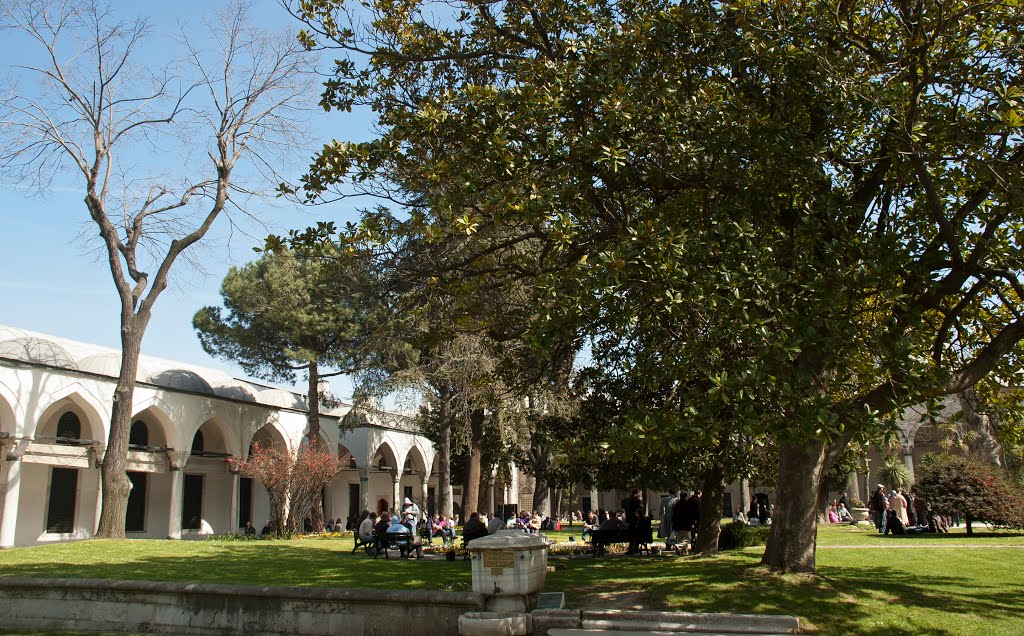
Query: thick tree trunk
[116,485]
[316,513]
[444,455]
[793,537]
[710,527]
[471,485]
[541,491]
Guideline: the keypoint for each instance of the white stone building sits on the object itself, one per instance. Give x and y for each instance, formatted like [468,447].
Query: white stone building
[55,403]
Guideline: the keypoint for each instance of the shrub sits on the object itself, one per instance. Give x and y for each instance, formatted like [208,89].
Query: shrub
[965,485]
[739,535]
[857,503]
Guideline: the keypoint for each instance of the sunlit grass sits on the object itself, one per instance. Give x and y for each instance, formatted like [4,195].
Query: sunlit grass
[927,584]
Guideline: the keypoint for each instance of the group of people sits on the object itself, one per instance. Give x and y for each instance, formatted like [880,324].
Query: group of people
[372,529]
[630,517]
[838,513]
[902,511]
[680,517]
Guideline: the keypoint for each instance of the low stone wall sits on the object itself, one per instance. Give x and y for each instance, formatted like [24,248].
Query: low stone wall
[225,610]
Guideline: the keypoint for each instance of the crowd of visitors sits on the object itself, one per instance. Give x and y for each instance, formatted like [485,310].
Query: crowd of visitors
[903,511]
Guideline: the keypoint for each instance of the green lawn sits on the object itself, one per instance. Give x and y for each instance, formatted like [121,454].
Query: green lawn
[932,585]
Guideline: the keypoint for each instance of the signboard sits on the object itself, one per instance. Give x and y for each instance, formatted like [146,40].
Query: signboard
[497,561]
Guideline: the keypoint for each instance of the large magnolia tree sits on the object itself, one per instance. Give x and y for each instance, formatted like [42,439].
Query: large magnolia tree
[159,151]
[812,209]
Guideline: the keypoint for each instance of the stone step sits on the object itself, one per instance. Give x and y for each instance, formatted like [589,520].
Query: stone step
[647,622]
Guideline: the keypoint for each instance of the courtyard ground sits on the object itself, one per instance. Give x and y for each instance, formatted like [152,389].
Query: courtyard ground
[942,585]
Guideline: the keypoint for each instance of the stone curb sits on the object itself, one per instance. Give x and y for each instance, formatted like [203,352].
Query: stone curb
[469,600]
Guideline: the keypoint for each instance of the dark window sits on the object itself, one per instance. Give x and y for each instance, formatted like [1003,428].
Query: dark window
[60,513]
[727,505]
[197,442]
[135,515]
[353,500]
[69,428]
[138,438]
[192,503]
[431,501]
[585,505]
[407,491]
[244,501]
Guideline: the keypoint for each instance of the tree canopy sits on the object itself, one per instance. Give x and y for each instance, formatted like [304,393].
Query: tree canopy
[808,212]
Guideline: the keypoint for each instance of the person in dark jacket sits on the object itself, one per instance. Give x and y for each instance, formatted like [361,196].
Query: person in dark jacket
[682,517]
[693,503]
[474,528]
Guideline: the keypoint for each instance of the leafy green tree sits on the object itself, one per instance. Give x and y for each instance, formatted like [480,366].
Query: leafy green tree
[286,315]
[958,484]
[811,209]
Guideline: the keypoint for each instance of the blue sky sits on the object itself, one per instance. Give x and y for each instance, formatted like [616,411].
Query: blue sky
[54,280]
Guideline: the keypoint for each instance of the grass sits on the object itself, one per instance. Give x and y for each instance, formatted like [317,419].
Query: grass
[937,586]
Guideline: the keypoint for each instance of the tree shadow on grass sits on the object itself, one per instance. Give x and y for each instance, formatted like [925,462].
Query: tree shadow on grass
[876,599]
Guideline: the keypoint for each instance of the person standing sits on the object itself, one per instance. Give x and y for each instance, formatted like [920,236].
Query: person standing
[693,503]
[878,505]
[411,513]
[899,507]
[668,502]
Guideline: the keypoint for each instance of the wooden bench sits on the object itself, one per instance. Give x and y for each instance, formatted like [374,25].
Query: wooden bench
[359,543]
[643,537]
[392,541]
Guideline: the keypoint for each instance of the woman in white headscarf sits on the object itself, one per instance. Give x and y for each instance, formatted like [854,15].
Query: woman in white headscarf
[899,506]
[411,513]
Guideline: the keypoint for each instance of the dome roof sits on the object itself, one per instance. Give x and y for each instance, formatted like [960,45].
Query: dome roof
[38,350]
[234,389]
[279,397]
[108,364]
[181,379]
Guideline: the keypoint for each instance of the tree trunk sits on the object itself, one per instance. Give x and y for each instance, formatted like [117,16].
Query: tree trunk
[711,510]
[444,455]
[793,537]
[968,519]
[541,491]
[471,485]
[116,485]
[316,512]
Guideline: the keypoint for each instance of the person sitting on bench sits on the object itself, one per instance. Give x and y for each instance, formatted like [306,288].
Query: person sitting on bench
[365,531]
[474,528]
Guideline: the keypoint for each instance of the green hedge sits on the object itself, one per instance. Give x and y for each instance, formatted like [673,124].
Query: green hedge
[740,535]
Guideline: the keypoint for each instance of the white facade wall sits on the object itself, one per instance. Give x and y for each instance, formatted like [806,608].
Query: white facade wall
[42,377]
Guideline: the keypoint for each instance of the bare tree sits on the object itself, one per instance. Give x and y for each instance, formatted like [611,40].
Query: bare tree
[161,151]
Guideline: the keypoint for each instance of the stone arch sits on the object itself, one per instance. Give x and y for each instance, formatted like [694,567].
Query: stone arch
[415,463]
[347,457]
[215,437]
[267,434]
[8,424]
[384,457]
[78,403]
[158,423]
[325,444]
